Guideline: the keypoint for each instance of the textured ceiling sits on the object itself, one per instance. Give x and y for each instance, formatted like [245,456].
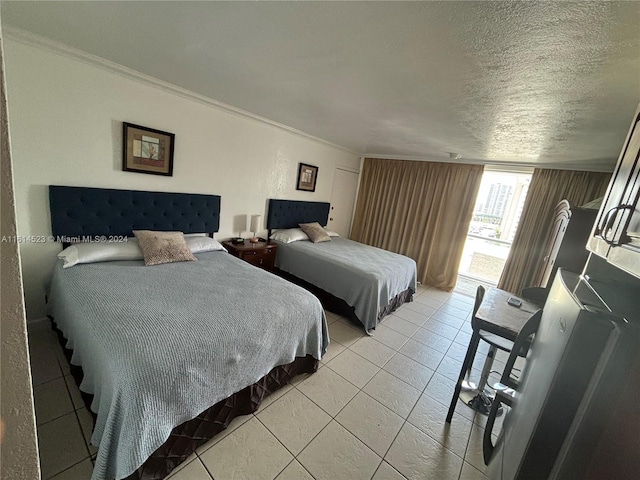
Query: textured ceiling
[552,83]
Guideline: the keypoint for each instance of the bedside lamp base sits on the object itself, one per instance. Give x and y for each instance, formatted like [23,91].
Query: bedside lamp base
[254,240]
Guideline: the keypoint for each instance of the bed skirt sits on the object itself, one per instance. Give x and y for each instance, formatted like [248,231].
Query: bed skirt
[395,303]
[339,306]
[185,438]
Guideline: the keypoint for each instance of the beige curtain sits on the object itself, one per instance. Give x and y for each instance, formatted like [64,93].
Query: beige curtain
[418,209]
[547,188]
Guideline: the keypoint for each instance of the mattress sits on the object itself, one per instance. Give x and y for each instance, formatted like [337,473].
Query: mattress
[160,345]
[366,277]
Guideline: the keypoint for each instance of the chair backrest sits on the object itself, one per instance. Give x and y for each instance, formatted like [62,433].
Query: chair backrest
[479,296]
[537,295]
[520,347]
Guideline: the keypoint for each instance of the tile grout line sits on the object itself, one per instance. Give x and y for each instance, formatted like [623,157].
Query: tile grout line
[413,408]
[51,346]
[295,457]
[361,390]
[75,410]
[38,425]
[201,463]
[62,471]
[405,420]
[333,418]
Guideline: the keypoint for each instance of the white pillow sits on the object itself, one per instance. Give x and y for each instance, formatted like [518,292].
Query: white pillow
[129,250]
[203,244]
[295,234]
[100,252]
[289,235]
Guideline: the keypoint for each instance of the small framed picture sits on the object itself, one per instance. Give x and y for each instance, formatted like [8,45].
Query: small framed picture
[146,150]
[307,176]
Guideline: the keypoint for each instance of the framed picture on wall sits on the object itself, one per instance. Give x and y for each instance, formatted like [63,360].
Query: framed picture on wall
[307,176]
[146,150]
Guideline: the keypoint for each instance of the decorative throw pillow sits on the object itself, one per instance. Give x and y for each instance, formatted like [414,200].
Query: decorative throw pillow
[315,232]
[163,247]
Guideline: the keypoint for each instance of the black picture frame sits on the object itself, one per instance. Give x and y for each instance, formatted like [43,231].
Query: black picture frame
[147,150]
[307,177]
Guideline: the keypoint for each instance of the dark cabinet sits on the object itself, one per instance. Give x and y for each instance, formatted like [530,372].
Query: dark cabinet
[566,246]
[616,234]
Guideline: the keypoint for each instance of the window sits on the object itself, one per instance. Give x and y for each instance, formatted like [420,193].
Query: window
[493,225]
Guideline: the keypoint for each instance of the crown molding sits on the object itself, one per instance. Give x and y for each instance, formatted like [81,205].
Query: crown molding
[431,158]
[603,165]
[58,48]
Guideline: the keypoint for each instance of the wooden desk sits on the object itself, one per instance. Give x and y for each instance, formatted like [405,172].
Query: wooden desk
[495,315]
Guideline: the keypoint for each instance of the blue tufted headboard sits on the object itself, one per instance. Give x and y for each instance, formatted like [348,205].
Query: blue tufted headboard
[289,213]
[83,211]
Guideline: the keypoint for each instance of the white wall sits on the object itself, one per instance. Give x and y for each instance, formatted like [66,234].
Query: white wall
[66,122]
[19,452]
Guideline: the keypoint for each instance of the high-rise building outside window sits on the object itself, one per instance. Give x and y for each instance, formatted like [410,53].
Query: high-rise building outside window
[493,226]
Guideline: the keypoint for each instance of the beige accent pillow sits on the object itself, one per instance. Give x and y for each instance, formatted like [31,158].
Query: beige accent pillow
[163,247]
[315,232]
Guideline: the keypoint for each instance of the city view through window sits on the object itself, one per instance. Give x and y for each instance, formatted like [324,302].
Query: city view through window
[493,225]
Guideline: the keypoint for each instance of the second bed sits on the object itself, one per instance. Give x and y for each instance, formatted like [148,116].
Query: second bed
[374,282]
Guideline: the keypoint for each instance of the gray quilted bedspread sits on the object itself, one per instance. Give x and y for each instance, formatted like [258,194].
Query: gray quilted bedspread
[366,277]
[159,345]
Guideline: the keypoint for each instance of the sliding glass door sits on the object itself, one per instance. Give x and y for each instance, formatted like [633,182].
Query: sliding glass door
[495,219]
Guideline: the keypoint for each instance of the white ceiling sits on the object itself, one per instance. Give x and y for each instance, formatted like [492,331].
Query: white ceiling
[517,82]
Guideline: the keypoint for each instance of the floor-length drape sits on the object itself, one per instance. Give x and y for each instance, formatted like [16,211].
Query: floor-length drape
[418,209]
[547,188]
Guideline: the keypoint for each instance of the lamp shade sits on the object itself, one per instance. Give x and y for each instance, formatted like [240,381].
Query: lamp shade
[256,223]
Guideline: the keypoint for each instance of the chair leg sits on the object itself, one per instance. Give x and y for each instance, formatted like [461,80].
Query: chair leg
[467,384]
[466,366]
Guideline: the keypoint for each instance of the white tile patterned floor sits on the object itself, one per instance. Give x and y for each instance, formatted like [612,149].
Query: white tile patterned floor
[375,409]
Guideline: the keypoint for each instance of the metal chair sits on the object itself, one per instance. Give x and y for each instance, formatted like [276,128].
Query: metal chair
[508,384]
[477,398]
[537,295]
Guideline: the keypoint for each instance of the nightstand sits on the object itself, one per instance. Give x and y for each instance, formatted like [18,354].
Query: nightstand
[261,254]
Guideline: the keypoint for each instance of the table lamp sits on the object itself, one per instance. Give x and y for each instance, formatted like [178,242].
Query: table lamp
[256,221]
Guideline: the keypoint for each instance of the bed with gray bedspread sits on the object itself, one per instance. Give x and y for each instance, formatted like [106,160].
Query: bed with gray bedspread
[158,345]
[366,277]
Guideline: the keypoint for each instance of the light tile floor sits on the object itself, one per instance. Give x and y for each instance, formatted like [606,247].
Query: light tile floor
[375,409]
